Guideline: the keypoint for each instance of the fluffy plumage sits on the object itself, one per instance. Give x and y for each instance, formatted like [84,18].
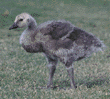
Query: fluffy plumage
[58,40]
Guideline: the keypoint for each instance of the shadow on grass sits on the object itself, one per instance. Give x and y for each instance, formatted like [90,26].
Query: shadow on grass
[96,82]
[61,84]
[66,84]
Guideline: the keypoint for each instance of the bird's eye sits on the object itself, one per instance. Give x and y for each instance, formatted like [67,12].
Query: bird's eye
[21,20]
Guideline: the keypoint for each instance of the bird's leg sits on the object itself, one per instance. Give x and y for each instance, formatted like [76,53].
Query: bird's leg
[52,67]
[51,74]
[70,71]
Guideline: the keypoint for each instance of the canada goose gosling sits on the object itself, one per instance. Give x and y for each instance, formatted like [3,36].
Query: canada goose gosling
[58,40]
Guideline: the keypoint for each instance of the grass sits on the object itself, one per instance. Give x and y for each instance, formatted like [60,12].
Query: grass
[21,72]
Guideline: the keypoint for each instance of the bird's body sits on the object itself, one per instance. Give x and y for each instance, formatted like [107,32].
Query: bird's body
[58,40]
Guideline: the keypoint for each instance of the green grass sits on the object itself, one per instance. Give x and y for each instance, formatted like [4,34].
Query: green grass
[21,72]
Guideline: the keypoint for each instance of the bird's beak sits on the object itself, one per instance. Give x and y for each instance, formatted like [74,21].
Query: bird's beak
[13,26]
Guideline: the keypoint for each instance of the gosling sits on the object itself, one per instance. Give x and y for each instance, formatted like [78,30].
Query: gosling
[58,40]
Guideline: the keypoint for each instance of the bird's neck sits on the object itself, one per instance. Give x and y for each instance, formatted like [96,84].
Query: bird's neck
[32,25]
[27,35]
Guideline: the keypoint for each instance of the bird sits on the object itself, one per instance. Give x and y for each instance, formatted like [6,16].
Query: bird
[58,40]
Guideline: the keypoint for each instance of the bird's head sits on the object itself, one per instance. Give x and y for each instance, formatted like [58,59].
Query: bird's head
[21,21]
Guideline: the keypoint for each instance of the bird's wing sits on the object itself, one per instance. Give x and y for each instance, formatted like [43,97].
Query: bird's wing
[56,29]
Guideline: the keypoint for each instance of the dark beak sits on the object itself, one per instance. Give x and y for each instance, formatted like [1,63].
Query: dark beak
[13,26]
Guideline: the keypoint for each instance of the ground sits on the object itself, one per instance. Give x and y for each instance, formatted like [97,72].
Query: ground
[21,73]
